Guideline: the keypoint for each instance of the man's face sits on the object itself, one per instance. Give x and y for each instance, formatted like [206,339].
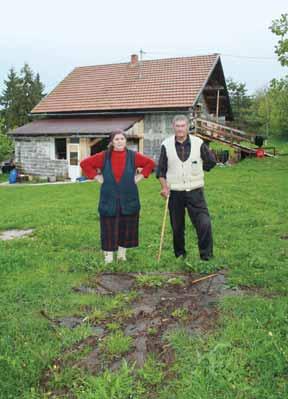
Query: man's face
[180,129]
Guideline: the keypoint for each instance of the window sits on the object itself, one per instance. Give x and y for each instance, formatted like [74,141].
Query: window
[74,158]
[60,148]
[74,140]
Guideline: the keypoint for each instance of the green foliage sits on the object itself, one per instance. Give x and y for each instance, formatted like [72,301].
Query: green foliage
[6,144]
[240,103]
[246,358]
[151,281]
[152,373]
[269,109]
[278,100]
[20,94]
[113,326]
[116,344]
[180,313]
[155,281]
[265,112]
[110,385]
[280,28]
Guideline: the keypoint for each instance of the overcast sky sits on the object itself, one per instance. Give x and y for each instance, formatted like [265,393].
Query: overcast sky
[55,36]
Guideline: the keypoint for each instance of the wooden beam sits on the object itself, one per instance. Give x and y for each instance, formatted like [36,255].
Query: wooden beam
[215,88]
[213,97]
[217,107]
[141,145]
[95,141]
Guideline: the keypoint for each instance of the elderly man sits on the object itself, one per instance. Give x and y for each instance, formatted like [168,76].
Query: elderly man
[183,159]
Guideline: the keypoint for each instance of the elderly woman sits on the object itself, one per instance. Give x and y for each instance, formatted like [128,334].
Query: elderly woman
[119,203]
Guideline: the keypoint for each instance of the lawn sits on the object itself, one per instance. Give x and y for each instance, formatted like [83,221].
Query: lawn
[4,177]
[244,357]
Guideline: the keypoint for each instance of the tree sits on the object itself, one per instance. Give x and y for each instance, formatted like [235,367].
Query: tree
[6,144]
[278,94]
[32,92]
[260,112]
[11,101]
[268,112]
[240,102]
[20,95]
[280,28]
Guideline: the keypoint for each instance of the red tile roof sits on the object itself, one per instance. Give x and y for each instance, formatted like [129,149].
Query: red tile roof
[163,83]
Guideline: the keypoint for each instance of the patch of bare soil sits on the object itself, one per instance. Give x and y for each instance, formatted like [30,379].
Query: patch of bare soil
[161,303]
[12,234]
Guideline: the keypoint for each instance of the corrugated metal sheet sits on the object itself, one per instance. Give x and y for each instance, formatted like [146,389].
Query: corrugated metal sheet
[71,126]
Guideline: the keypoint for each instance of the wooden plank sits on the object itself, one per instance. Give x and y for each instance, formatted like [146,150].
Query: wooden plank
[95,141]
[241,147]
[217,106]
[214,88]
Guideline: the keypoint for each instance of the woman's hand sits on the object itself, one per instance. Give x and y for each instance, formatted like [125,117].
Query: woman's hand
[138,178]
[99,179]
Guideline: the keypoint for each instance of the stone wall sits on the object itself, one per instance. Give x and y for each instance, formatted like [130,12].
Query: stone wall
[35,156]
[156,128]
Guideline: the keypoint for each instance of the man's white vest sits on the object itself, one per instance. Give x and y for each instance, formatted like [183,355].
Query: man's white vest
[186,175]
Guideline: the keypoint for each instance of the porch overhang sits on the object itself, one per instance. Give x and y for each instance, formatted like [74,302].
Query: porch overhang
[100,126]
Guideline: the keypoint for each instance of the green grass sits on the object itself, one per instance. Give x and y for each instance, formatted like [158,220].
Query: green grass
[116,344]
[244,358]
[4,177]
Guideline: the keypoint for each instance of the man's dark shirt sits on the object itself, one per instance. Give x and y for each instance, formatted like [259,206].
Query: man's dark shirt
[183,152]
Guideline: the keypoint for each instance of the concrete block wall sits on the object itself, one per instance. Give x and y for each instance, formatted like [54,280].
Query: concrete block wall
[35,156]
[156,128]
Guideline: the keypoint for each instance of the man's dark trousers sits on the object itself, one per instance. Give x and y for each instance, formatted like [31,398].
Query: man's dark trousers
[197,209]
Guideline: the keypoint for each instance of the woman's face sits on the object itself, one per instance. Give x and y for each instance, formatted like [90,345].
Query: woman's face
[119,142]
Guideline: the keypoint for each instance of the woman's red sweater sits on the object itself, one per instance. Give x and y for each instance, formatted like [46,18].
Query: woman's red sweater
[118,160]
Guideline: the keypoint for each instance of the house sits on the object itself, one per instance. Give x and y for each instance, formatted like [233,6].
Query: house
[140,97]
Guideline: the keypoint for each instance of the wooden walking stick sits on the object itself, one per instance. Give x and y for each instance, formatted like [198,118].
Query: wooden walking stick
[163,228]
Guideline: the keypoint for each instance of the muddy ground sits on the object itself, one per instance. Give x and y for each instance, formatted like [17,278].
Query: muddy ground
[153,305]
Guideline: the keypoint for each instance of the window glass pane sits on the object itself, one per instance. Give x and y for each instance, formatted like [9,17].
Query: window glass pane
[60,148]
[74,140]
[73,158]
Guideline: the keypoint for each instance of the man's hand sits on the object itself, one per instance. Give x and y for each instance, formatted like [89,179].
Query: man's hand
[99,179]
[165,192]
[138,178]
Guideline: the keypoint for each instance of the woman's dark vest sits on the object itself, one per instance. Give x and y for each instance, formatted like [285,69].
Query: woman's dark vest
[124,193]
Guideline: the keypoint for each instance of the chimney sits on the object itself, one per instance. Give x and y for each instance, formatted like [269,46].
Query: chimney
[134,59]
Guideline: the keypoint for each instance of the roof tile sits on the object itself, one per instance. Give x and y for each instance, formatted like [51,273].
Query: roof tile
[164,83]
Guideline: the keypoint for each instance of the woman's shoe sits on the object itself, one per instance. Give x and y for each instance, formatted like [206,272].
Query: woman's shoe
[108,257]
[121,255]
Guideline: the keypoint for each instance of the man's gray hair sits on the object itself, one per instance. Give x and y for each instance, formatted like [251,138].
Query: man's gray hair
[180,118]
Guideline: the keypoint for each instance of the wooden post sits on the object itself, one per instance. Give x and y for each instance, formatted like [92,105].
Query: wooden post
[217,106]
[141,145]
[163,229]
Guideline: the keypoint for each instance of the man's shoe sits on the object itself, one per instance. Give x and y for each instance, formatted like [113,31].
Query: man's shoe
[206,257]
[181,256]
[182,260]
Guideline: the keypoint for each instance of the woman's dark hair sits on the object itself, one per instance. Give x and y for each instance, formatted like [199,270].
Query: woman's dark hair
[111,138]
